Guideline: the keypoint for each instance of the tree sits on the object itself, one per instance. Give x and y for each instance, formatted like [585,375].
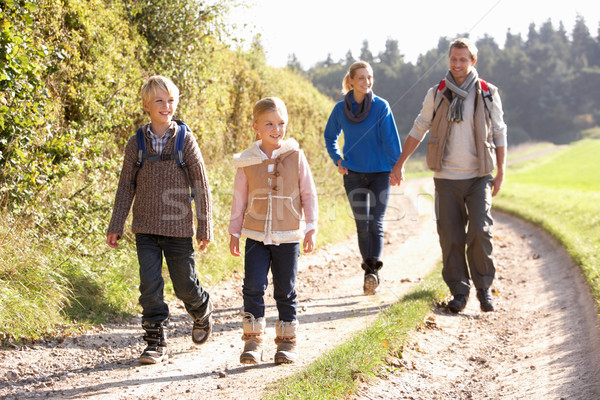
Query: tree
[349,59]
[293,63]
[391,56]
[365,53]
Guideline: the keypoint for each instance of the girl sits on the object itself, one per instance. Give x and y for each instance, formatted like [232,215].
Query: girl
[371,149]
[273,186]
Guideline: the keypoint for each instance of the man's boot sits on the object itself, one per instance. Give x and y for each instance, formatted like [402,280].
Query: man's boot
[371,283]
[286,342]
[254,330]
[485,299]
[156,337]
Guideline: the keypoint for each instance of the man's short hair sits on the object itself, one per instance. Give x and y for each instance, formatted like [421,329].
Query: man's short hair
[464,43]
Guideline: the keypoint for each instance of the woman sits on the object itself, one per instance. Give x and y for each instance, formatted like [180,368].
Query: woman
[371,149]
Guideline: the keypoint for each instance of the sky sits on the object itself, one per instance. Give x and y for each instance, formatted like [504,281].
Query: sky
[312,29]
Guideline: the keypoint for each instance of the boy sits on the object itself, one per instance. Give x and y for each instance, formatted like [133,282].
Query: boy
[163,218]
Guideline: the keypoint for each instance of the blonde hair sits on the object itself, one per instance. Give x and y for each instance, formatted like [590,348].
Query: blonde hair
[346,87]
[156,82]
[269,104]
[464,43]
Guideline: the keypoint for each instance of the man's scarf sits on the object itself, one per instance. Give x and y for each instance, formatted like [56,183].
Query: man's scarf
[459,94]
[363,109]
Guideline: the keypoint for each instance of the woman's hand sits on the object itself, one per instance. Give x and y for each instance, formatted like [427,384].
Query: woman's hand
[342,170]
[397,175]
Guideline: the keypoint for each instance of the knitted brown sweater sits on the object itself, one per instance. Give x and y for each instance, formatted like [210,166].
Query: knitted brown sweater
[160,200]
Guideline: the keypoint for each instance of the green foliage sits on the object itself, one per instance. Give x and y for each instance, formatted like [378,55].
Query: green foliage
[22,93]
[561,193]
[69,100]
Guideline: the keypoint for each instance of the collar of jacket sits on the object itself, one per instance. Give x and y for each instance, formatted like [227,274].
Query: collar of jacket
[253,155]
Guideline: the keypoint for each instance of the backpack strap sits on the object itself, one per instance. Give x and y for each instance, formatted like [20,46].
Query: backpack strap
[141,142]
[178,156]
[487,96]
[437,102]
[179,143]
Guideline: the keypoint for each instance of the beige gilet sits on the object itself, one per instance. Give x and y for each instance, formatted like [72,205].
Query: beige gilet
[440,130]
[274,205]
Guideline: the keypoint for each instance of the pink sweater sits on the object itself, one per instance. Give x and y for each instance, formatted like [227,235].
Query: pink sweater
[308,193]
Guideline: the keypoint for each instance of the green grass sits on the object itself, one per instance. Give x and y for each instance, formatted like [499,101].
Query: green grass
[561,193]
[371,352]
[526,149]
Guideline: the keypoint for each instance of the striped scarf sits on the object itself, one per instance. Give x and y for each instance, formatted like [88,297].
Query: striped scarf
[459,94]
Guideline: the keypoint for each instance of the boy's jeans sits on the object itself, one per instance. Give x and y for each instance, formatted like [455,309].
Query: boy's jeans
[368,194]
[283,260]
[179,253]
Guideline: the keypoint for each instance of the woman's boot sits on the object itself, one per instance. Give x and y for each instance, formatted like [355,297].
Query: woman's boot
[371,267]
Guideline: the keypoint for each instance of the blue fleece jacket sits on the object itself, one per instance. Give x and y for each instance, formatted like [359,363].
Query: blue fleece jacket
[372,145]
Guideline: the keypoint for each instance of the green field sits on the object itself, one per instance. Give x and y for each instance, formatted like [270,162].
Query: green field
[561,193]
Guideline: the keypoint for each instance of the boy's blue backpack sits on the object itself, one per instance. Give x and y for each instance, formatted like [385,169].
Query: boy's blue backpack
[178,156]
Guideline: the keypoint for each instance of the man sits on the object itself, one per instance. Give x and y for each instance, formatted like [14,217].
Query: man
[467,140]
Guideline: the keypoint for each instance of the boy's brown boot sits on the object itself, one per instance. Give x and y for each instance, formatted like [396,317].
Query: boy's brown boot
[285,339]
[254,330]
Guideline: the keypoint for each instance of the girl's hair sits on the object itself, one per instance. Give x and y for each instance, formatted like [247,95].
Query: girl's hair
[464,43]
[159,82]
[269,104]
[346,87]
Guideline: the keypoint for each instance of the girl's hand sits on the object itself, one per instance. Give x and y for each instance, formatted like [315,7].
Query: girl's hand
[309,241]
[234,246]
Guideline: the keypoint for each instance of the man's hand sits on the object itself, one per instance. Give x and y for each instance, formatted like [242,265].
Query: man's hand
[497,185]
[396,176]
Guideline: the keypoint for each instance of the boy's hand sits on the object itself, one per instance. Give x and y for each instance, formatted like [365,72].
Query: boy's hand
[111,240]
[203,243]
[309,241]
[234,246]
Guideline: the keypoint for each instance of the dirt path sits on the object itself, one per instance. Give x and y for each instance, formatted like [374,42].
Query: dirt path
[542,343]
[511,348]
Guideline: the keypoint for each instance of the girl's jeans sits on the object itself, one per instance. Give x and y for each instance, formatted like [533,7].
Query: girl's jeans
[283,261]
[368,194]
[179,253]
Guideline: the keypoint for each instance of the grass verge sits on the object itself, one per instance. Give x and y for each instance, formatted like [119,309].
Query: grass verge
[368,353]
[560,192]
